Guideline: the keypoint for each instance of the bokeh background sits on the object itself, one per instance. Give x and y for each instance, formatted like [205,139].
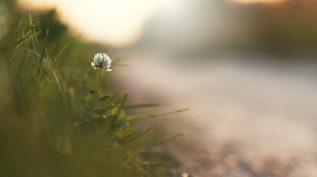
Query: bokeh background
[246,68]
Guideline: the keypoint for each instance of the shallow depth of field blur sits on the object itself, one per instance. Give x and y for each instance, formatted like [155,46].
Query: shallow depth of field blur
[247,69]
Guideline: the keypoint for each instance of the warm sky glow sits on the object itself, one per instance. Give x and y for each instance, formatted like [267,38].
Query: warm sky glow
[113,22]
[116,23]
[259,1]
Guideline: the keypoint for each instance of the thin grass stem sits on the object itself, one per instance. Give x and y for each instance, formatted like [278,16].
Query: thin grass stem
[99,83]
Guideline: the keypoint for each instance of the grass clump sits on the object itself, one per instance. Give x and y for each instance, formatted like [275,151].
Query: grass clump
[51,122]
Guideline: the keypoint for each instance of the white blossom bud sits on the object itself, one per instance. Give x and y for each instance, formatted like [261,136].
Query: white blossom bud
[101,60]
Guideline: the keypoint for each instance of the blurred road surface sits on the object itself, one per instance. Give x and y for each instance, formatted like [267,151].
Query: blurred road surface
[259,115]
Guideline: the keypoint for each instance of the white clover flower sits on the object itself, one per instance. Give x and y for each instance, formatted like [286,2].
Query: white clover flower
[102,60]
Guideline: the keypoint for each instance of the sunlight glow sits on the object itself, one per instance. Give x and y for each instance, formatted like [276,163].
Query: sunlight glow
[114,22]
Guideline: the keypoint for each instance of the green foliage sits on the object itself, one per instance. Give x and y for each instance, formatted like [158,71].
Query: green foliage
[51,122]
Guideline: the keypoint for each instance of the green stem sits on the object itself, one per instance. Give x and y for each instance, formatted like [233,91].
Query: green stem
[99,83]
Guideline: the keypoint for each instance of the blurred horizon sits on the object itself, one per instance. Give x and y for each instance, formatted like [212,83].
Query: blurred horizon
[195,27]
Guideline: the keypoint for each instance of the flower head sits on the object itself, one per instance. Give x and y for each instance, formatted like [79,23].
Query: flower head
[101,60]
